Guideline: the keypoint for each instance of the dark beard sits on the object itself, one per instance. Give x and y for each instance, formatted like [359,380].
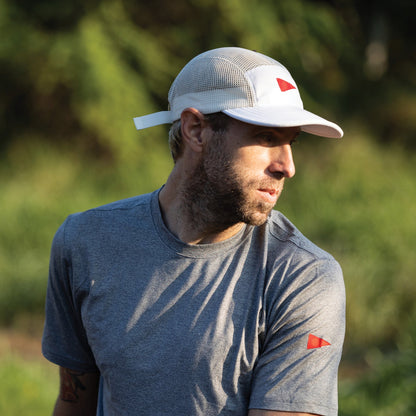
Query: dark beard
[214,196]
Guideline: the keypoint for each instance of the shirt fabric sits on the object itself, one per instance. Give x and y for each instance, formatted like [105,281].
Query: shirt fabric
[179,329]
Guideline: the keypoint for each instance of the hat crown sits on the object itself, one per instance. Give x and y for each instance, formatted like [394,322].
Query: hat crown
[216,81]
[247,86]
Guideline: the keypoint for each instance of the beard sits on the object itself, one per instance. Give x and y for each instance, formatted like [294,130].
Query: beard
[218,197]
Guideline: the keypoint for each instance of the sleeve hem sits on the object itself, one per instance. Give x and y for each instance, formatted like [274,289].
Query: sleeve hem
[302,407]
[69,363]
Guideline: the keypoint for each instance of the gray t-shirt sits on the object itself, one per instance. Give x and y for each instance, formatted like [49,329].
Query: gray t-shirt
[256,321]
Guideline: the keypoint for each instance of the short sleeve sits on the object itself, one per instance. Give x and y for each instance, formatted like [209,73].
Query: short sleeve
[305,324]
[64,340]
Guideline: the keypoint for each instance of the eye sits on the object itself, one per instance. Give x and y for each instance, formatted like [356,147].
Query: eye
[266,139]
[276,137]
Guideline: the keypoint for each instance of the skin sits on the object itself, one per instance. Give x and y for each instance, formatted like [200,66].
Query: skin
[78,393]
[216,186]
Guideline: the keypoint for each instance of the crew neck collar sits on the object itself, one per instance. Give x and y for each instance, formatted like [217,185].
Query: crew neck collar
[193,250]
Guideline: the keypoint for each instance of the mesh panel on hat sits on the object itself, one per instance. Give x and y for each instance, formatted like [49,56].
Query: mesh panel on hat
[214,81]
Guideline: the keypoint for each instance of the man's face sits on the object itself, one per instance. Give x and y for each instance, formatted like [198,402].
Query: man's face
[242,172]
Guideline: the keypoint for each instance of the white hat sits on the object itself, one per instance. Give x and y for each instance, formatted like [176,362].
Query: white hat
[243,84]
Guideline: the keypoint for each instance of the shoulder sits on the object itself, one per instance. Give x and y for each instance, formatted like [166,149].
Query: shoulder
[295,260]
[117,208]
[282,230]
[103,222]
[109,215]
[303,280]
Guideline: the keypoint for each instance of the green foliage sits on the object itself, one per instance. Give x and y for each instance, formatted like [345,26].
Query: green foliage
[27,387]
[74,74]
[388,390]
[79,71]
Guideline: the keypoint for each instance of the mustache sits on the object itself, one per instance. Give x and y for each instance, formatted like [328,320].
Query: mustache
[271,184]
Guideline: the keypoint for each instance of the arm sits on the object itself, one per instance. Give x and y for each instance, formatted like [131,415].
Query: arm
[261,412]
[78,393]
[292,373]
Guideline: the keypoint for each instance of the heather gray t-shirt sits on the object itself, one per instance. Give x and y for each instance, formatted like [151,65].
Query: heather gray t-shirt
[256,321]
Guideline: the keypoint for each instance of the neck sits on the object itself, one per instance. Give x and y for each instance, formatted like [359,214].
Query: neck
[188,216]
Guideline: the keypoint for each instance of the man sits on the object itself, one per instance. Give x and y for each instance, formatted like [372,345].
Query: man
[199,299]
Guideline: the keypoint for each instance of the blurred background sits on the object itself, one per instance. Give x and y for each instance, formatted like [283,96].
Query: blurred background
[73,74]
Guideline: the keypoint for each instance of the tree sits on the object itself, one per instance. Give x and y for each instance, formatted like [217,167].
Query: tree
[79,71]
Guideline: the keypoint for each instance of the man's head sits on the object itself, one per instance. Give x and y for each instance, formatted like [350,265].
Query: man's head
[235,114]
[232,172]
[243,84]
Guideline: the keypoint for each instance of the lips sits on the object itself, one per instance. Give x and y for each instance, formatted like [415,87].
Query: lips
[269,194]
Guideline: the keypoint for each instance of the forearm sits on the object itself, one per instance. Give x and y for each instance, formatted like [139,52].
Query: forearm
[63,408]
[78,393]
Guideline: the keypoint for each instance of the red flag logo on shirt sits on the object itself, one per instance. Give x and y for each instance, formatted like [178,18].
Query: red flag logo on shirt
[284,85]
[316,342]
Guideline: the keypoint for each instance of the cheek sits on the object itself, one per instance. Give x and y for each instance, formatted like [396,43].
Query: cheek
[252,161]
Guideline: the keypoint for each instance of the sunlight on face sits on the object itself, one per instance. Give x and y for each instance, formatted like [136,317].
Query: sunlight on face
[241,173]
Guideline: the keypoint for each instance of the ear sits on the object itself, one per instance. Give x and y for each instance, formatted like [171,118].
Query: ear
[192,125]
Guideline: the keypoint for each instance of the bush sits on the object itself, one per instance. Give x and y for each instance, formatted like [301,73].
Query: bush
[27,387]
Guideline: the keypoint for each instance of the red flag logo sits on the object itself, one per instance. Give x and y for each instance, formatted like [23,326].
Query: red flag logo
[316,342]
[284,85]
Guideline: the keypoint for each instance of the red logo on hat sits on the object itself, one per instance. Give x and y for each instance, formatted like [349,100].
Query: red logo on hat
[284,85]
[316,342]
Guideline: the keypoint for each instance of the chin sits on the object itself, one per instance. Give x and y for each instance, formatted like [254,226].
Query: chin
[257,219]
[257,213]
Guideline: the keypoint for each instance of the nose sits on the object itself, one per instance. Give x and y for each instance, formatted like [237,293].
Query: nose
[282,161]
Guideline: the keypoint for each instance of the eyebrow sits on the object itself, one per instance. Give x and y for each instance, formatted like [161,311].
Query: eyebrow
[276,130]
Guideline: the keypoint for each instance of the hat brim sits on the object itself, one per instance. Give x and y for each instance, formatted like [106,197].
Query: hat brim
[284,117]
